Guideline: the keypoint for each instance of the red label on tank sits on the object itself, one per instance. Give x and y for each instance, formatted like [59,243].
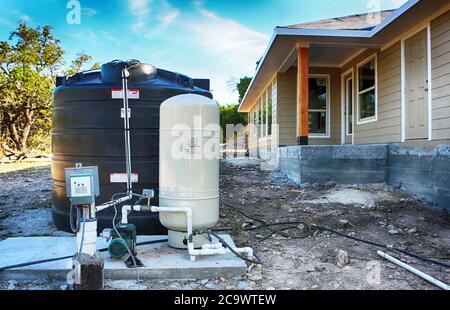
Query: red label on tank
[122,178]
[117,93]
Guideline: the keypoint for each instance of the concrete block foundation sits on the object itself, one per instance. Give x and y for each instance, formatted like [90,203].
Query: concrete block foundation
[423,172]
[342,164]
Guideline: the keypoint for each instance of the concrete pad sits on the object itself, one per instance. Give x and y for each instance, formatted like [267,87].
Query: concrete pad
[161,261]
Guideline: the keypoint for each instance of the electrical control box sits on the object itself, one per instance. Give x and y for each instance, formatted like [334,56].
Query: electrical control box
[82,184]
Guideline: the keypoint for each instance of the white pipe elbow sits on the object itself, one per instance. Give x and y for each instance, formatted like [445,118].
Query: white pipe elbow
[125,211]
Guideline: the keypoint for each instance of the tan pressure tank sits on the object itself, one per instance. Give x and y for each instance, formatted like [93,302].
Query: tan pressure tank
[189,165]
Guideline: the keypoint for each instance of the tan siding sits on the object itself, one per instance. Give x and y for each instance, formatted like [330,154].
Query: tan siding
[287,110]
[440,71]
[388,127]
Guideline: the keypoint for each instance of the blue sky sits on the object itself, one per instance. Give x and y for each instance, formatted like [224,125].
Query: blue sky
[216,39]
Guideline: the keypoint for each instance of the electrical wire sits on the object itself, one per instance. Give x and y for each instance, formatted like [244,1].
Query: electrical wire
[307,230]
[138,281]
[377,244]
[232,250]
[82,238]
[74,227]
[37,262]
[265,224]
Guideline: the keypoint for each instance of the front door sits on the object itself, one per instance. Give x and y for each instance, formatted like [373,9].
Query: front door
[416,87]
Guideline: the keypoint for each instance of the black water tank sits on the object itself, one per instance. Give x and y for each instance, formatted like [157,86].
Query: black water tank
[88,129]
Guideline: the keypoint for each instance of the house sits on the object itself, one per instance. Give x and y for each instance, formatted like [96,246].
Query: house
[359,99]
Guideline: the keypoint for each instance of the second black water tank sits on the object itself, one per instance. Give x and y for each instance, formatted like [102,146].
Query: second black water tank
[88,129]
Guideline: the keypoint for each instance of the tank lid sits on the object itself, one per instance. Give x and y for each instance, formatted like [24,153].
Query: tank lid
[139,72]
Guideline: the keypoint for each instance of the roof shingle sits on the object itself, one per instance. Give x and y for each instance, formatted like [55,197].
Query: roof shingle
[352,22]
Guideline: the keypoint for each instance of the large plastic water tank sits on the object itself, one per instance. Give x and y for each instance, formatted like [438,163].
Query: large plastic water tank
[189,165]
[88,129]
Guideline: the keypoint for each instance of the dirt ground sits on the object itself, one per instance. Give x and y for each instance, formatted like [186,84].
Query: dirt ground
[377,213]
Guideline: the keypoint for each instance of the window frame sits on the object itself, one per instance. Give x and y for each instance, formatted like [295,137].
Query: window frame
[367,120]
[327,134]
[350,79]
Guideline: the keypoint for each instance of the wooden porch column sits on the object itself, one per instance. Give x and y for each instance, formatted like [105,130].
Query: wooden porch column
[302,95]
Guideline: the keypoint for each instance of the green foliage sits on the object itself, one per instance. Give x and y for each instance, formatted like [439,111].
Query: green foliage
[229,114]
[79,62]
[242,87]
[29,60]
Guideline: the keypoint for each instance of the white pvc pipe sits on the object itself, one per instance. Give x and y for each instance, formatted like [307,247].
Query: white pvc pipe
[414,270]
[208,249]
[125,210]
[112,203]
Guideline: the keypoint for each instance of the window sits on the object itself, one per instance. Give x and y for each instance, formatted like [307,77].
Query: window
[367,89]
[269,114]
[259,122]
[264,116]
[318,106]
[349,106]
[255,123]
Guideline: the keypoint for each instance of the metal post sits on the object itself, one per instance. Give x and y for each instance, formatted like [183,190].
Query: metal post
[126,122]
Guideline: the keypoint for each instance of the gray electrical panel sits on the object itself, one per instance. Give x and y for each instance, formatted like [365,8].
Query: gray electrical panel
[82,184]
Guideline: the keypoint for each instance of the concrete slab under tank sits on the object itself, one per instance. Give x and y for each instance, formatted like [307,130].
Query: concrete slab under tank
[161,262]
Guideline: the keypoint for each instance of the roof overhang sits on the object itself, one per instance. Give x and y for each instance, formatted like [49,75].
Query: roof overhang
[280,53]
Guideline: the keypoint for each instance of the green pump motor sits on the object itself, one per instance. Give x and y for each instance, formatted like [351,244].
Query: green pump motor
[117,246]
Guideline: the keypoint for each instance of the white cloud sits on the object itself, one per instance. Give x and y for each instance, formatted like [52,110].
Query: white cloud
[25,18]
[140,9]
[218,34]
[233,46]
[168,19]
[88,11]
[163,21]
[110,37]
[164,16]
[7,23]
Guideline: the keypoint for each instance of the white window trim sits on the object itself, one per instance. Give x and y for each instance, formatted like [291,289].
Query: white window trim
[327,135]
[372,119]
[351,72]
[261,117]
[267,113]
[255,122]
[347,123]
[430,82]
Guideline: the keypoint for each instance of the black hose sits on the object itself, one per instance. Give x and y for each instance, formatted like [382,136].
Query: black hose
[221,240]
[426,259]
[321,228]
[70,256]
[269,225]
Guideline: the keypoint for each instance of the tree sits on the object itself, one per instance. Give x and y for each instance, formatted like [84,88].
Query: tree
[229,114]
[28,63]
[242,87]
[79,62]
[26,67]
